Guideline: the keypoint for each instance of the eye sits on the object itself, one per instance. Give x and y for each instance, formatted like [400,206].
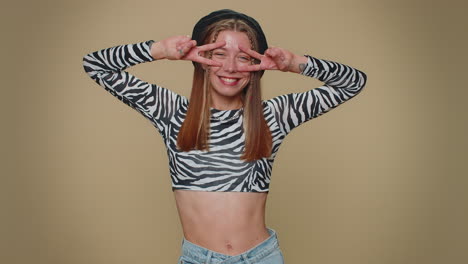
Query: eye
[244,58]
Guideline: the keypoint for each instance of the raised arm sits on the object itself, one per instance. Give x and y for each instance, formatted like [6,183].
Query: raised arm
[341,83]
[157,104]
[107,68]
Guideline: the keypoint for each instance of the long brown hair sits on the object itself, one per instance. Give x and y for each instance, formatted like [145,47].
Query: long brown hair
[194,133]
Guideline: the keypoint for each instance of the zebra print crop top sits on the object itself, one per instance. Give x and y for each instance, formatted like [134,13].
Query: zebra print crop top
[220,169]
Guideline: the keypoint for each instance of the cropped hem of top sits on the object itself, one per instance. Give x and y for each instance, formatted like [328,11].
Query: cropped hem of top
[191,190]
[220,169]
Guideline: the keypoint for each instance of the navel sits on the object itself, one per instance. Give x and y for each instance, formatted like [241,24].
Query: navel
[229,246]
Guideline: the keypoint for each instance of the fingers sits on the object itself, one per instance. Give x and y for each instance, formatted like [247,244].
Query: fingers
[184,47]
[200,59]
[272,52]
[208,62]
[212,46]
[249,68]
[250,52]
[182,41]
[276,53]
[280,57]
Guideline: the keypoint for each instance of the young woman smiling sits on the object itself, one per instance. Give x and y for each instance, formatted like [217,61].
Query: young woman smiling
[222,142]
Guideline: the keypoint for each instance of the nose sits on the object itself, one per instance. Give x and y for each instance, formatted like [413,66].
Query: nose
[230,65]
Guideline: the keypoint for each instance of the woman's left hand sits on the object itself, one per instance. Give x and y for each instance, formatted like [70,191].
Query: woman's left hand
[274,59]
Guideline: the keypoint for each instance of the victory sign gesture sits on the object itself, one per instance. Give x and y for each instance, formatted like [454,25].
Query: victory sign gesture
[184,48]
[275,59]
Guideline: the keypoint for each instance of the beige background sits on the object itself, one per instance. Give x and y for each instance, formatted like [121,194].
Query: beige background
[380,179]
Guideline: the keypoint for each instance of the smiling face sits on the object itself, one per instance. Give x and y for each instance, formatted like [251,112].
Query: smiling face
[227,82]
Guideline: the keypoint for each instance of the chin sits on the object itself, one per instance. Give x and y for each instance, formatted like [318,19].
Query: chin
[229,91]
[231,94]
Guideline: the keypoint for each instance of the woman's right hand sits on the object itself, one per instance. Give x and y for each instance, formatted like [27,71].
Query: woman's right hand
[184,48]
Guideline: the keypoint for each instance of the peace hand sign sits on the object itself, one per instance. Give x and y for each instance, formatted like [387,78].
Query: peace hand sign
[183,48]
[189,51]
[274,59]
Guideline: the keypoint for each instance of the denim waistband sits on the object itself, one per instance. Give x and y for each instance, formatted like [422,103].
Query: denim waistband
[204,255]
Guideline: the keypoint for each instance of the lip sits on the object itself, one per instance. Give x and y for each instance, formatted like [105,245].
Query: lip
[223,80]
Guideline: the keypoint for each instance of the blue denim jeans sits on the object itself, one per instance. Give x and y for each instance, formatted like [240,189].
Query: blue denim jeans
[267,252]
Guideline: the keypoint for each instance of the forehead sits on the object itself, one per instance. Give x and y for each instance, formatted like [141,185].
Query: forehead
[233,39]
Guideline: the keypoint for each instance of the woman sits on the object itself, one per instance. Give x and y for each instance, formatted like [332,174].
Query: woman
[221,146]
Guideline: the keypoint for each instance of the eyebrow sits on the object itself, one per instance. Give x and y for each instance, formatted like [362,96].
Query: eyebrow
[240,51]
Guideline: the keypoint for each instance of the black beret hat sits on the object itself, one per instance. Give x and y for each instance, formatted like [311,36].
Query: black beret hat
[229,14]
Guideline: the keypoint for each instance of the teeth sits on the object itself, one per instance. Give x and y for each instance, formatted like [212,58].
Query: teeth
[229,80]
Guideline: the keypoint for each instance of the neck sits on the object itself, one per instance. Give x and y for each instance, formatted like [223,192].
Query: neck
[227,105]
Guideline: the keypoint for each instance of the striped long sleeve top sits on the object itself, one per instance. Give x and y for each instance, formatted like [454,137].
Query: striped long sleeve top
[220,168]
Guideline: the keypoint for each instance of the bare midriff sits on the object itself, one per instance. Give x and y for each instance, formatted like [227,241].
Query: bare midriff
[226,222]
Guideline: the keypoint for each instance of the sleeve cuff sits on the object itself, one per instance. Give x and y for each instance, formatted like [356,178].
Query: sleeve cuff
[148,45]
[309,66]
